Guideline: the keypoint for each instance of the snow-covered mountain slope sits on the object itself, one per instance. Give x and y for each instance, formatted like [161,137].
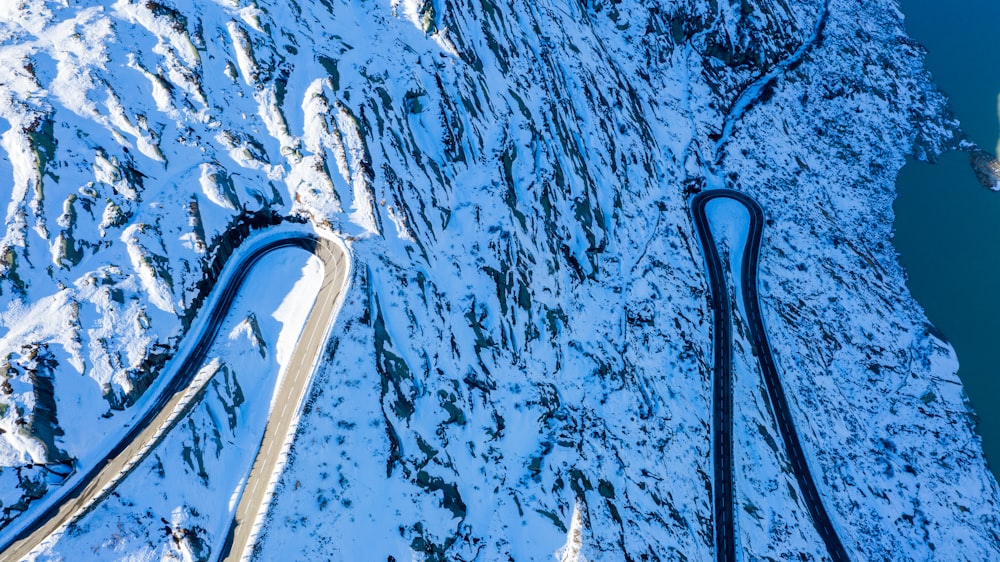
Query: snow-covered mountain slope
[522,368]
[178,500]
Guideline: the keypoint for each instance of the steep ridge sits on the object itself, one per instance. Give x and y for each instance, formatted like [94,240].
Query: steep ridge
[527,363]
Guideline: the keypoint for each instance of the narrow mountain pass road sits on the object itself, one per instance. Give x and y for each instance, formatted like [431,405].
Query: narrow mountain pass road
[722,394]
[82,492]
[280,427]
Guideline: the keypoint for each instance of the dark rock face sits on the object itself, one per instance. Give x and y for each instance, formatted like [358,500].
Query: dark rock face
[986,167]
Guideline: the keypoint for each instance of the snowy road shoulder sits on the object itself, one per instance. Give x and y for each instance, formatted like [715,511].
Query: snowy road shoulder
[93,482]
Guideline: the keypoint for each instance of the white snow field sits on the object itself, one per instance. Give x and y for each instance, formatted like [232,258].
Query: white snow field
[522,366]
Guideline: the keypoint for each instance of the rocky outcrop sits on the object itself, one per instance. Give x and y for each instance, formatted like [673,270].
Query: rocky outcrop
[986,167]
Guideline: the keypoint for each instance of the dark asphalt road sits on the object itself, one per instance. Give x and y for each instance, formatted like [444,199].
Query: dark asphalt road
[722,416]
[75,500]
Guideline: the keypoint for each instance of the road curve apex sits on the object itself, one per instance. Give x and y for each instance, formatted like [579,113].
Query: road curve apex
[699,199]
[176,375]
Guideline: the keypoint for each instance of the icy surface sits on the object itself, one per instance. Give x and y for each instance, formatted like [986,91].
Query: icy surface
[522,368]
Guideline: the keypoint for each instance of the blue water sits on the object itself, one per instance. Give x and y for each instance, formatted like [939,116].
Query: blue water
[947,224]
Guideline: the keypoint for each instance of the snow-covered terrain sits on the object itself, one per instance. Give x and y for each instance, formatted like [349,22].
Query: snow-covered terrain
[522,366]
[183,495]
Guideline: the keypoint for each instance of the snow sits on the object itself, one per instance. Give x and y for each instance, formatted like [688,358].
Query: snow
[762,468]
[525,347]
[278,295]
[729,222]
[571,552]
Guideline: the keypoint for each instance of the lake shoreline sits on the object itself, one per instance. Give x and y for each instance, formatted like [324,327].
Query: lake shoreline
[947,217]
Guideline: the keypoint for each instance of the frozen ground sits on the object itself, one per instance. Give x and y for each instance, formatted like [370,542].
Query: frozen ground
[522,366]
[178,503]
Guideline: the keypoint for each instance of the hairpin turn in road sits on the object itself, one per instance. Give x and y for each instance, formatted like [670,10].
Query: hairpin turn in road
[83,492]
[722,387]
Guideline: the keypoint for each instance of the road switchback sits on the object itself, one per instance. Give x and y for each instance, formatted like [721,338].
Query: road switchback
[84,491]
[722,376]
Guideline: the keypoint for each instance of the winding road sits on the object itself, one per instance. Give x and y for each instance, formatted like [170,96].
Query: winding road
[84,491]
[722,391]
